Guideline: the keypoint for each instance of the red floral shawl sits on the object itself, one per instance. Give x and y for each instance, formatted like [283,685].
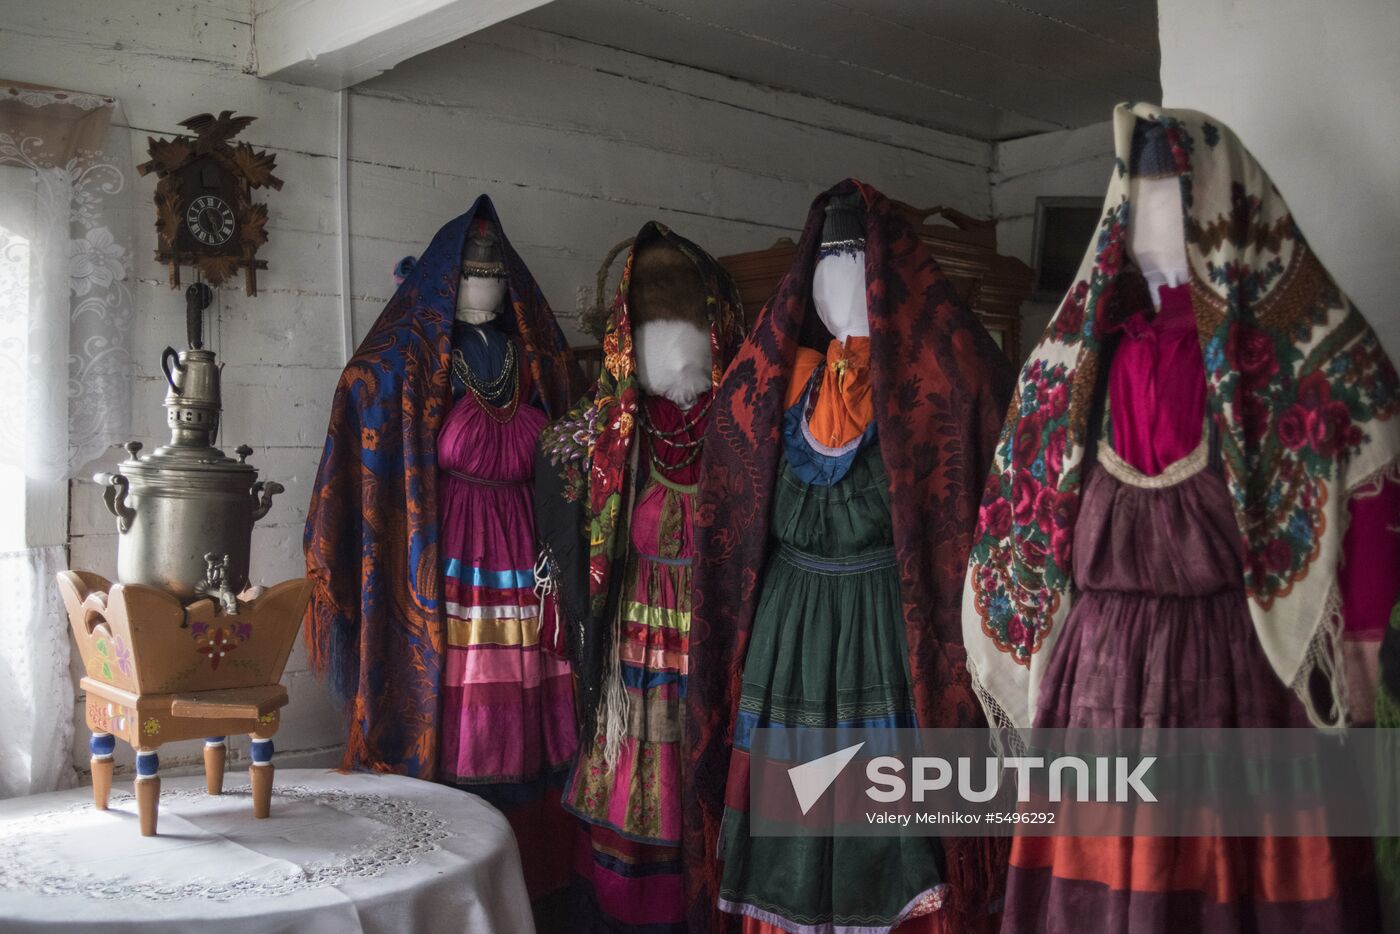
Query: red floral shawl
[1302,393]
[375,620]
[940,386]
[584,470]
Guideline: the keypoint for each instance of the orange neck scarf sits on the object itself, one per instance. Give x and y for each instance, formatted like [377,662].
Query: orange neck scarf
[844,407]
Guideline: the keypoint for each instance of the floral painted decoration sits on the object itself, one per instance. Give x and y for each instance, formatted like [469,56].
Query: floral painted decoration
[1297,382]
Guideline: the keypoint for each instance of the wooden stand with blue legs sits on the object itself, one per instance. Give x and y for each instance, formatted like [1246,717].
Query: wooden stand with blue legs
[147,721]
[160,671]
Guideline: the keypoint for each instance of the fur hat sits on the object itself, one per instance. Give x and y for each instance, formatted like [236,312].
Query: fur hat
[666,286]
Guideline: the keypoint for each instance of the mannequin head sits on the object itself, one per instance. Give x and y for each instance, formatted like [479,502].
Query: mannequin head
[670,324]
[481,292]
[1156,227]
[673,360]
[1156,235]
[838,283]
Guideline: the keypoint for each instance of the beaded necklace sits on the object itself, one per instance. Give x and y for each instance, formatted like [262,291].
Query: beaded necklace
[692,446]
[485,390]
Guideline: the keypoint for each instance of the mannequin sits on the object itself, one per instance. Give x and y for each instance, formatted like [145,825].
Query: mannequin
[477,342]
[508,730]
[615,481]
[1143,602]
[838,284]
[828,646]
[1156,232]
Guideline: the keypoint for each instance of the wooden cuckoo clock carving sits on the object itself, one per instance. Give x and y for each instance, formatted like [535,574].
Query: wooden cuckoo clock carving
[205,215]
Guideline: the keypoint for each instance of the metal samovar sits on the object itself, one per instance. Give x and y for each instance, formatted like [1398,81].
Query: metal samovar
[186,511]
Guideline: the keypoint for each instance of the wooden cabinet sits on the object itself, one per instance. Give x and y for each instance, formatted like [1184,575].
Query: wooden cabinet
[992,285]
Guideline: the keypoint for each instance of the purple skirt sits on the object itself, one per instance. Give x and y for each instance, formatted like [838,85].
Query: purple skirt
[1160,635]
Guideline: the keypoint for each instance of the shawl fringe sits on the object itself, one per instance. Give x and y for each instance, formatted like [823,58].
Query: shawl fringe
[1301,389]
[1322,677]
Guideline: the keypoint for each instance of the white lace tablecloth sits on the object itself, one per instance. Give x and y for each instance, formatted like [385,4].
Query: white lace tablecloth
[340,854]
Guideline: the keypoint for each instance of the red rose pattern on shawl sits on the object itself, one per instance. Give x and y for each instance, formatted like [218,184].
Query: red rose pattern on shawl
[1288,418]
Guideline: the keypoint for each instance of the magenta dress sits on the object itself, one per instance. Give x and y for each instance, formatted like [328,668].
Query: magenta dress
[628,859]
[507,708]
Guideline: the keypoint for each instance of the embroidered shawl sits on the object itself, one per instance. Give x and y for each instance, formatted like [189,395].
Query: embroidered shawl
[940,388]
[585,470]
[1297,383]
[375,620]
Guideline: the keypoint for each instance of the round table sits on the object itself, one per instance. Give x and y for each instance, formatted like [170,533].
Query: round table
[340,853]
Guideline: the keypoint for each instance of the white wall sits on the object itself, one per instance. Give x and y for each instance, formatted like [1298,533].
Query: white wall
[1067,163]
[1312,90]
[165,62]
[578,144]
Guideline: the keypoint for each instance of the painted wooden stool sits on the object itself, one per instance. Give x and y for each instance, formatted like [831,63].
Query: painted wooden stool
[159,671]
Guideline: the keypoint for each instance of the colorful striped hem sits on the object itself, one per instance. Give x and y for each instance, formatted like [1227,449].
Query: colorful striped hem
[498,580]
[473,633]
[656,617]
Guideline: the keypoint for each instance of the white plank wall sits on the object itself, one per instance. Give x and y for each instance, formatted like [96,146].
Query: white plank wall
[164,62]
[1066,163]
[1311,91]
[579,144]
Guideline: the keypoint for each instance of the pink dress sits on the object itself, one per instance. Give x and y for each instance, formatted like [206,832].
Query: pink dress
[507,708]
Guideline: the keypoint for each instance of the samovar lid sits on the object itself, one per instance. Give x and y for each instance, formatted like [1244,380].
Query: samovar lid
[186,458]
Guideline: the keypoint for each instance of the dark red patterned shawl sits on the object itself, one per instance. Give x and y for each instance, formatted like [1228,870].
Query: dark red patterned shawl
[375,620]
[941,387]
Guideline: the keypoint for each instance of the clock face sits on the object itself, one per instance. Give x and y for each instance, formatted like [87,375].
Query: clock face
[210,220]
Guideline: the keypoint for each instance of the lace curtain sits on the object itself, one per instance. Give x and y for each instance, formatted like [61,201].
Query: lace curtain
[65,389]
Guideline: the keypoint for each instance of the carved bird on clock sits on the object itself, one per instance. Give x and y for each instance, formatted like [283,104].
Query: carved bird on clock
[211,131]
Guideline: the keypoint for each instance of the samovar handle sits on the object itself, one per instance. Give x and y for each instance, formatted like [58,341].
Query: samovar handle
[115,488]
[165,364]
[263,491]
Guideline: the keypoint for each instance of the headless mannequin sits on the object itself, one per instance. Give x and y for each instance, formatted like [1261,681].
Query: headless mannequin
[475,334]
[1156,233]
[673,360]
[838,282]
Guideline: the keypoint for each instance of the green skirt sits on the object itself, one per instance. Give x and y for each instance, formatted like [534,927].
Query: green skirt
[827,650]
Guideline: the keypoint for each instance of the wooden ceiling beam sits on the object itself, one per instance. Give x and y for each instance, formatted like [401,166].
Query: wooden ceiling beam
[336,44]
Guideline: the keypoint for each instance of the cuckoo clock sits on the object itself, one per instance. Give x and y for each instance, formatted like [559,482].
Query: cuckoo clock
[205,215]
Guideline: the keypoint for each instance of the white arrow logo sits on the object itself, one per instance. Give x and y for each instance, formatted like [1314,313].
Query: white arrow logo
[810,780]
